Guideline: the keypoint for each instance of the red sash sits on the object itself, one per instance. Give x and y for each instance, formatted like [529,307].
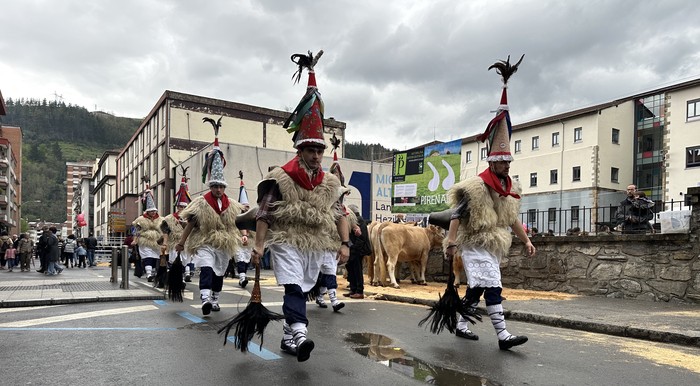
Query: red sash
[491,179]
[300,176]
[211,200]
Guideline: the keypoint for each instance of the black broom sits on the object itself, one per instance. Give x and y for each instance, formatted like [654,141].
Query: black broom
[315,291]
[443,314]
[252,320]
[176,287]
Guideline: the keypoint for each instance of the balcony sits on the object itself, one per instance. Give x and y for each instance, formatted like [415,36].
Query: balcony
[4,162]
[4,199]
[3,181]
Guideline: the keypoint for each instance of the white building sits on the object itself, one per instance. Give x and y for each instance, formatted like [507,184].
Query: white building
[104,192]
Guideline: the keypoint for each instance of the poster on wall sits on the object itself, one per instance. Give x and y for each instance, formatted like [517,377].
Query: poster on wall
[421,177]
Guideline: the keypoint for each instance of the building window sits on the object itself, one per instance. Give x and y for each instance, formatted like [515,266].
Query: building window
[553,176]
[518,146]
[574,213]
[692,157]
[616,136]
[577,173]
[555,139]
[578,134]
[535,143]
[533,179]
[531,216]
[484,153]
[693,109]
[614,174]
[552,214]
[469,156]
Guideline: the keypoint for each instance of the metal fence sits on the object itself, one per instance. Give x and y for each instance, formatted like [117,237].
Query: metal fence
[585,220]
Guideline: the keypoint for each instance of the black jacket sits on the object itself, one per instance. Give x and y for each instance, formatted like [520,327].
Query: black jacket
[360,244]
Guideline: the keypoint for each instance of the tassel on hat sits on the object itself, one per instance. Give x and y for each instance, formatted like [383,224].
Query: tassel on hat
[499,130]
[335,166]
[306,121]
[214,161]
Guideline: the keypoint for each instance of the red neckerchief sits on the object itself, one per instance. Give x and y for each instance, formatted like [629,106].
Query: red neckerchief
[150,216]
[300,176]
[177,216]
[491,179]
[211,200]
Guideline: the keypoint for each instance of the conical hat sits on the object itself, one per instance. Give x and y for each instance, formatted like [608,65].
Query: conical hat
[182,197]
[306,121]
[214,161]
[243,195]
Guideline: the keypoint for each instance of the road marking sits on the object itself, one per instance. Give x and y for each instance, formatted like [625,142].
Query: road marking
[84,315]
[15,309]
[191,317]
[255,349]
[160,302]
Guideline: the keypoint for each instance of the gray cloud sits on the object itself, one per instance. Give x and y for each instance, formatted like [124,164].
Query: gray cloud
[400,73]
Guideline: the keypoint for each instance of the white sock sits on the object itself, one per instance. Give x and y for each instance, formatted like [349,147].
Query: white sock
[214,297]
[332,296]
[499,321]
[287,335]
[149,270]
[462,324]
[187,270]
[299,332]
[204,295]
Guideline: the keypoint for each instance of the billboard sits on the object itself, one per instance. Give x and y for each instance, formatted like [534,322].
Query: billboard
[421,177]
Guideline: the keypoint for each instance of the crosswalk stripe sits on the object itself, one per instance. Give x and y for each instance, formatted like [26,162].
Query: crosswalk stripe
[255,349]
[84,315]
[15,309]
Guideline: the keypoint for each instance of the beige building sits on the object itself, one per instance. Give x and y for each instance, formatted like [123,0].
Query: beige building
[571,162]
[173,131]
[104,220]
[76,200]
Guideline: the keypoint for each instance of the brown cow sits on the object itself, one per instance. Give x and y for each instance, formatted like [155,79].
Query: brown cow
[410,244]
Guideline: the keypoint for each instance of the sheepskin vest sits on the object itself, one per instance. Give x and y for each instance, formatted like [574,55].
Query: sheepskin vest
[174,228]
[212,229]
[305,218]
[148,232]
[490,216]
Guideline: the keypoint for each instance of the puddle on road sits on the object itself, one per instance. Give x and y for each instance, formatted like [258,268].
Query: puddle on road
[380,348]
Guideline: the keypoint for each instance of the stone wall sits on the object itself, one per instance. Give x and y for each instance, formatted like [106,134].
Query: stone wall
[656,267]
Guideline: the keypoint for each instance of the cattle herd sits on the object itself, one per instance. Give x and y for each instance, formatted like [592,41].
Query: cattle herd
[394,243]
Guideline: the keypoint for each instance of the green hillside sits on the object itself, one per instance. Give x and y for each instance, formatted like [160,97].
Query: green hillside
[55,133]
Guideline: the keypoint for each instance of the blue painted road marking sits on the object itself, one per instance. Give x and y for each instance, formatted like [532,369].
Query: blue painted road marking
[160,302]
[257,350]
[191,317]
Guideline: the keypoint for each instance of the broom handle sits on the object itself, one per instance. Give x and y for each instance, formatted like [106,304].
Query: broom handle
[255,296]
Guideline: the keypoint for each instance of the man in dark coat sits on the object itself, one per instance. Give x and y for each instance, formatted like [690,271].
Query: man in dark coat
[359,248]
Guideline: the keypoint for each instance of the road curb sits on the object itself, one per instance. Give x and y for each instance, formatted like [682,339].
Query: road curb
[573,324]
[60,301]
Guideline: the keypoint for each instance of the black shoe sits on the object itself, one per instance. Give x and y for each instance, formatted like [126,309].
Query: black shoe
[512,342]
[206,308]
[291,350]
[40,270]
[215,307]
[243,282]
[188,279]
[349,294]
[304,350]
[338,307]
[150,278]
[322,304]
[467,335]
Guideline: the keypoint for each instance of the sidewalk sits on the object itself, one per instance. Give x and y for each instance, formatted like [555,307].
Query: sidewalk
[73,285]
[655,321]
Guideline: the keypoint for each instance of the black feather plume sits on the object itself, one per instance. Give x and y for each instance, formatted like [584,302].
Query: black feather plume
[215,124]
[335,141]
[505,69]
[307,61]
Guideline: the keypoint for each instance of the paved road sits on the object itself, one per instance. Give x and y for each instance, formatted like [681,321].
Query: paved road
[159,342]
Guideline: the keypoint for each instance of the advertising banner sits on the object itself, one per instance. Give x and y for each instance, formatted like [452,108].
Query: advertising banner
[421,177]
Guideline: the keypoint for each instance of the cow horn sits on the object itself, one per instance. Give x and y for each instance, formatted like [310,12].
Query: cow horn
[441,219]
[247,220]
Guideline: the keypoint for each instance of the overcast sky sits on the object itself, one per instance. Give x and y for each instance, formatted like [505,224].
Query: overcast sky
[400,73]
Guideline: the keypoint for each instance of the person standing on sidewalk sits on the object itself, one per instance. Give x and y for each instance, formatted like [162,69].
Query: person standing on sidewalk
[359,248]
[300,218]
[211,236]
[147,234]
[53,253]
[69,251]
[24,248]
[485,207]
[10,254]
[91,247]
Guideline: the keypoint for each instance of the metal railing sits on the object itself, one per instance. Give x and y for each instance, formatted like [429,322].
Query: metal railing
[585,220]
